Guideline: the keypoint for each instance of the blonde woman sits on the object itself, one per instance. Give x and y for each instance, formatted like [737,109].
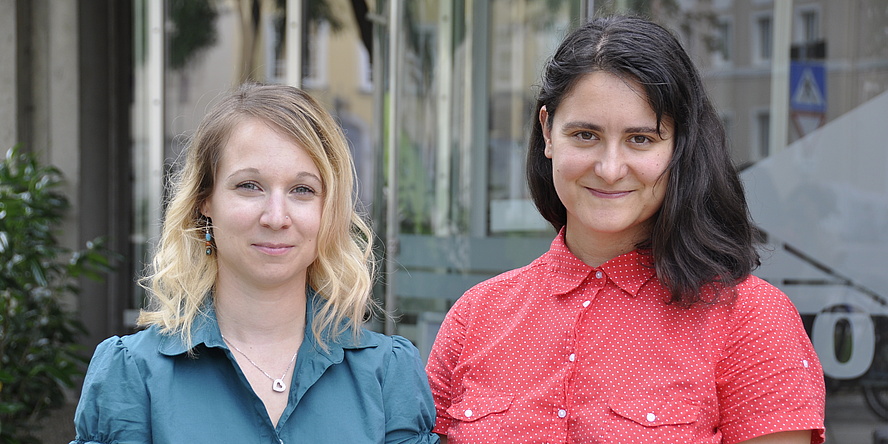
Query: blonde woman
[258,288]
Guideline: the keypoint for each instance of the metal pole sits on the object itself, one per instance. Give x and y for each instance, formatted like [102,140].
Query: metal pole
[392,220]
[294,42]
[155,118]
[781,28]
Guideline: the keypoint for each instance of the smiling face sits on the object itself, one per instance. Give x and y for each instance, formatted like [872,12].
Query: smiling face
[265,208]
[608,161]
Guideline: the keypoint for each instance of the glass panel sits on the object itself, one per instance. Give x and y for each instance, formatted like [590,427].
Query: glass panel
[147,140]
[422,96]
[337,57]
[522,36]
[821,198]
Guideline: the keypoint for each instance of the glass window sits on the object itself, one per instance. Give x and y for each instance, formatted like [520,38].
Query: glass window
[315,51]
[522,36]
[763,130]
[723,41]
[810,26]
[764,40]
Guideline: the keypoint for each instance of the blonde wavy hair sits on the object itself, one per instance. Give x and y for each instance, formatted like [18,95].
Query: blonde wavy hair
[181,275]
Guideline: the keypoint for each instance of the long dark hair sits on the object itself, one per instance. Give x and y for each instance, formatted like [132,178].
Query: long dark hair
[703,235]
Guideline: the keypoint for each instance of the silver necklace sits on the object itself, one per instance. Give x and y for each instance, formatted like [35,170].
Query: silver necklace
[276,384]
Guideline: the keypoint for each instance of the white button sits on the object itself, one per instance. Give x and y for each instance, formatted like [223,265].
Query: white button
[572,357]
[651,417]
[562,413]
[805,363]
[598,275]
[468,413]
[586,304]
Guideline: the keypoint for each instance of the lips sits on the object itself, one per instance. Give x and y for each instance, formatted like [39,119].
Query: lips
[608,194]
[273,248]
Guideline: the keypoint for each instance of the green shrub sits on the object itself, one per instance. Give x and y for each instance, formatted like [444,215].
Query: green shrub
[39,355]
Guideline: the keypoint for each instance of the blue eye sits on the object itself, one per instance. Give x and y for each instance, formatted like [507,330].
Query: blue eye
[248,186]
[302,189]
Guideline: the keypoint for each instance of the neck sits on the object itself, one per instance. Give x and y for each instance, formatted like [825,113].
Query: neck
[595,249]
[260,316]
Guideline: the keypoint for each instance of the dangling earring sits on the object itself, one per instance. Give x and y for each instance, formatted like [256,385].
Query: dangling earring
[209,238]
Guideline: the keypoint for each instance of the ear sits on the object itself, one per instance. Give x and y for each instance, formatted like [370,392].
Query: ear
[205,209]
[547,132]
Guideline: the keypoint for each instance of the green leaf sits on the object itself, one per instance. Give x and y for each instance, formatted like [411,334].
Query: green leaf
[39,354]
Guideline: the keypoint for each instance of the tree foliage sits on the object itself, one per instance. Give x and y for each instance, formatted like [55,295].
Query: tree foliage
[39,355]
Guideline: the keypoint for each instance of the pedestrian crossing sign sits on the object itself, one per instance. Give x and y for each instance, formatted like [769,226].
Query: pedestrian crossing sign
[807,87]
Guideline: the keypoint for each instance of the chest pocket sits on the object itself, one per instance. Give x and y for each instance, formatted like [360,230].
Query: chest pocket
[478,418]
[474,408]
[656,412]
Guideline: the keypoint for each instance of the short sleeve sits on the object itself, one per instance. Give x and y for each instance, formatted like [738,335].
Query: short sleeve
[443,359]
[113,405]
[409,409]
[769,379]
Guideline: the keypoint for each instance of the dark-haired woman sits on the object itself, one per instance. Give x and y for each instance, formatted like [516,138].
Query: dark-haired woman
[642,323]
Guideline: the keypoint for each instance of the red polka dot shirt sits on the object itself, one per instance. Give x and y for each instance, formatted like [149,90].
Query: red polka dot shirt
[560,352]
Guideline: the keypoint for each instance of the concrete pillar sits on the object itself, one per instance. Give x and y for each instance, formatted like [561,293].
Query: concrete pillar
[55,90]
[8,57]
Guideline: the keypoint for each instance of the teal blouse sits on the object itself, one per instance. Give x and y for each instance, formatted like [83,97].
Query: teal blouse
[145,388]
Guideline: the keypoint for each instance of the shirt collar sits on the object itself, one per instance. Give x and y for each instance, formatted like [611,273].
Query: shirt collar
[629,271]
[205,330]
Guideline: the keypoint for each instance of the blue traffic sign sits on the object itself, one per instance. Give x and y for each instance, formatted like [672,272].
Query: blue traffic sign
[807,87]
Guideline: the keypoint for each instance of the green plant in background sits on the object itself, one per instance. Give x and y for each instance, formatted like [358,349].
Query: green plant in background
[39,356]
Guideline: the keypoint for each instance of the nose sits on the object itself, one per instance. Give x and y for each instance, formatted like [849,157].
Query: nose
[610,165]
[276,214]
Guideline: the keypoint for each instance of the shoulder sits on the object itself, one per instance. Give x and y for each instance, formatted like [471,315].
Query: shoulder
[507,285]
[116,377]
[142,344]
[135,355]
[755,295]
[382,357]
[385,345]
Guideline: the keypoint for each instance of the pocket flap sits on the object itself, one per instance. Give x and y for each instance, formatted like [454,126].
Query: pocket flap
[656,412]
[473,408]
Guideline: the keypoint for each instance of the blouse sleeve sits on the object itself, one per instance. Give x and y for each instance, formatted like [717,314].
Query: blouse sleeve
[443,359]
[769,378]
[113,405]
[409,410]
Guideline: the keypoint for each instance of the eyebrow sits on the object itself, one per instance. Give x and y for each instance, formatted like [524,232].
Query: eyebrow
[301,175]
[594,127]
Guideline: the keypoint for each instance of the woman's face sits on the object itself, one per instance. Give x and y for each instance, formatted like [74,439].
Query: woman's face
[265,209]
[608,159]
